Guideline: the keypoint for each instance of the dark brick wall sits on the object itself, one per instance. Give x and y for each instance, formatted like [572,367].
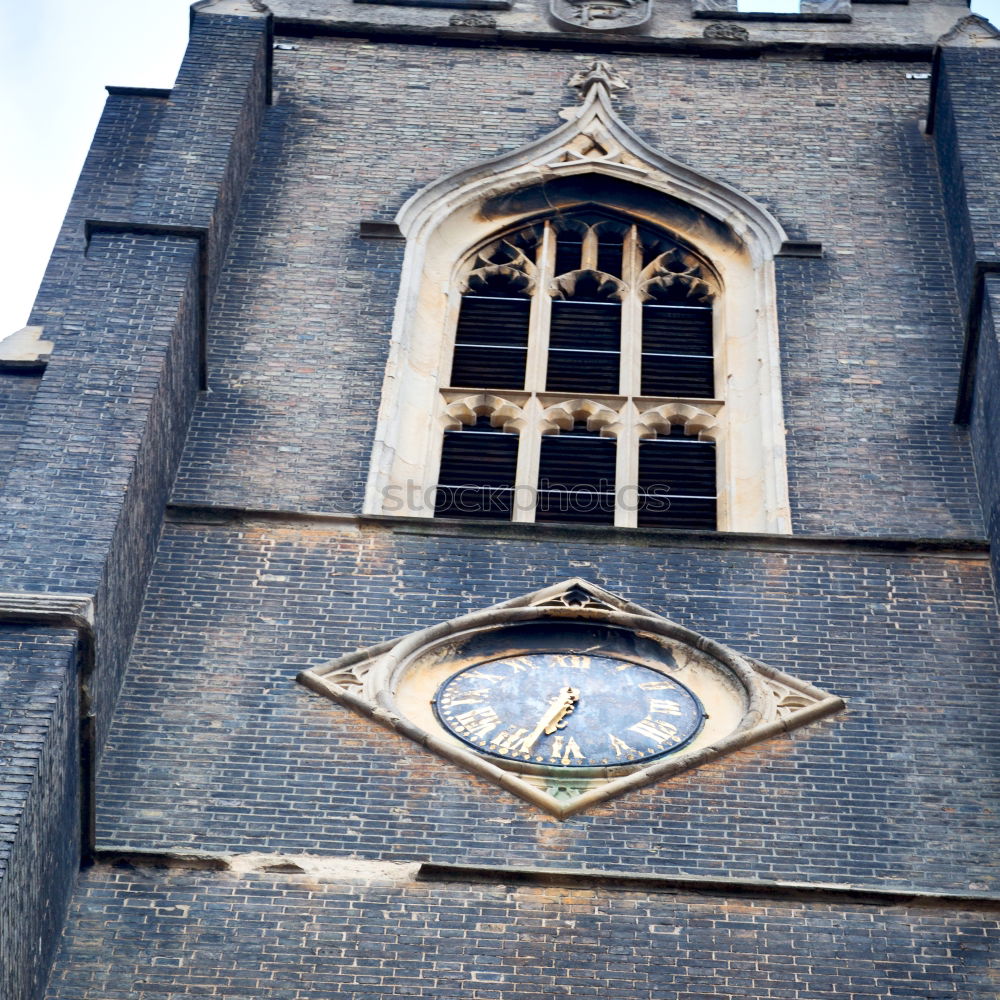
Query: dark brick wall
[985,426]
[871,335]
[84,496]
[16,392]
[966,123]
[303,937]
[106,187]
[215,747]
[87,483]
[39,801]
[215,112]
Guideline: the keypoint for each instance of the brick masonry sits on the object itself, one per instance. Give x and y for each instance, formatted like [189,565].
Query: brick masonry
[215,747]
[303,937]
[39,800]
[985,424]
[85,489]
[871,334]
[16,393]
[965,124]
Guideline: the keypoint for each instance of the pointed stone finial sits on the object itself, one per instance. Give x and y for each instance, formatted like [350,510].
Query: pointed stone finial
[599,74]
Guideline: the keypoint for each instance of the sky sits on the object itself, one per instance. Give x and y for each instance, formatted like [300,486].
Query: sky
[56,56]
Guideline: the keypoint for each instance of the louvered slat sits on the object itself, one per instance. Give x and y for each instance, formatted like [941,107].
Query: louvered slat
[478,467]
[584,347]
[677,351]
[491,343]
[677,483]
[576,479]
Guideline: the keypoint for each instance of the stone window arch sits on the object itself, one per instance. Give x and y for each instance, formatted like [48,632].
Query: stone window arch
[673,276]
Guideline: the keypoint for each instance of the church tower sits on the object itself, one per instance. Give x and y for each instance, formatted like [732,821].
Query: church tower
[500,500]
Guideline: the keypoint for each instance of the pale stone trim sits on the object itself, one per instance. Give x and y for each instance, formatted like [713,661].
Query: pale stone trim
[25,348]
[20,605]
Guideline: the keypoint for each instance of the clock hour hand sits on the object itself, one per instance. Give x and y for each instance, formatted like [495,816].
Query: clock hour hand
[554,717]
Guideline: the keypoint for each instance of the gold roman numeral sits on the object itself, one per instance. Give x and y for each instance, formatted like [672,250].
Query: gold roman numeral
[508,742]
[474,697]
[620,747]
[573,661]
[665,707]
[520,664]
[656,686]
[657,730]
[564,752]
[479,722]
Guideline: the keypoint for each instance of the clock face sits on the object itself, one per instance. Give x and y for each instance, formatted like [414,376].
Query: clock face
[568,710]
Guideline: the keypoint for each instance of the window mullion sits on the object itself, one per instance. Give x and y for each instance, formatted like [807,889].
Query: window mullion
[526,478]
[631,346]
[541,312]
[627,467]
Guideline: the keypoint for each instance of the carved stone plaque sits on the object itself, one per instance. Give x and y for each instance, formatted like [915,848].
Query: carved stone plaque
[600,15]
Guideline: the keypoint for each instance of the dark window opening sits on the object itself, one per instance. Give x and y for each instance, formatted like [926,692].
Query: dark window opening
[677,482]
[491,342]
[677,351]
[609,255]
[478,469]
[576,477]
[585,341]
[569,252]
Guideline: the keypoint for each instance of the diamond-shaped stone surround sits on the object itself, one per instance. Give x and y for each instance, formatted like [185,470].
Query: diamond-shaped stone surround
[393,683]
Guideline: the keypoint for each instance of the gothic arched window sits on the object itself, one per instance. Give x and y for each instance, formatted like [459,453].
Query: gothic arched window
[586,331]
[588,322]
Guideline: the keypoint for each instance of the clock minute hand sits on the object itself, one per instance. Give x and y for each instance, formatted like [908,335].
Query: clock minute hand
[554,717]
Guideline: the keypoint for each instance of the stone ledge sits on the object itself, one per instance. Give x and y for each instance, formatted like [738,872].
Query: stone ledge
[816,892]
[977,549]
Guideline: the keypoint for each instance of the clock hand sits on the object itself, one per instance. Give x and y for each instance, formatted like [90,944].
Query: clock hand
[554,716]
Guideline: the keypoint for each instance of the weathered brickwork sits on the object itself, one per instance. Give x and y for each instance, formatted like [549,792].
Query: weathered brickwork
[105,188]
[215,746]
[871,335]
[303,937]
[211,203]
[16,393]
[966,122]
[39,801]
[986,413]
[82,501]
[84,491]
[967,113]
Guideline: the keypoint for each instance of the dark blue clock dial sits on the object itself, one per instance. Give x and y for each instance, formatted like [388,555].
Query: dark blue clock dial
[568,710]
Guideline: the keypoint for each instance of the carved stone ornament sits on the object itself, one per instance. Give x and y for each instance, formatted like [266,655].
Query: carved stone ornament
[971,31]
[726,32]
[472,20]
[600,15]
[405,685]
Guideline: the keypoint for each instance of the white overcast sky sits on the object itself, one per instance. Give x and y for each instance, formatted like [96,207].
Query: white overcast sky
[56,56]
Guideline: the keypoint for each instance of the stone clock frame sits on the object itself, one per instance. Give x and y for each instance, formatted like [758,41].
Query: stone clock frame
[393,684]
